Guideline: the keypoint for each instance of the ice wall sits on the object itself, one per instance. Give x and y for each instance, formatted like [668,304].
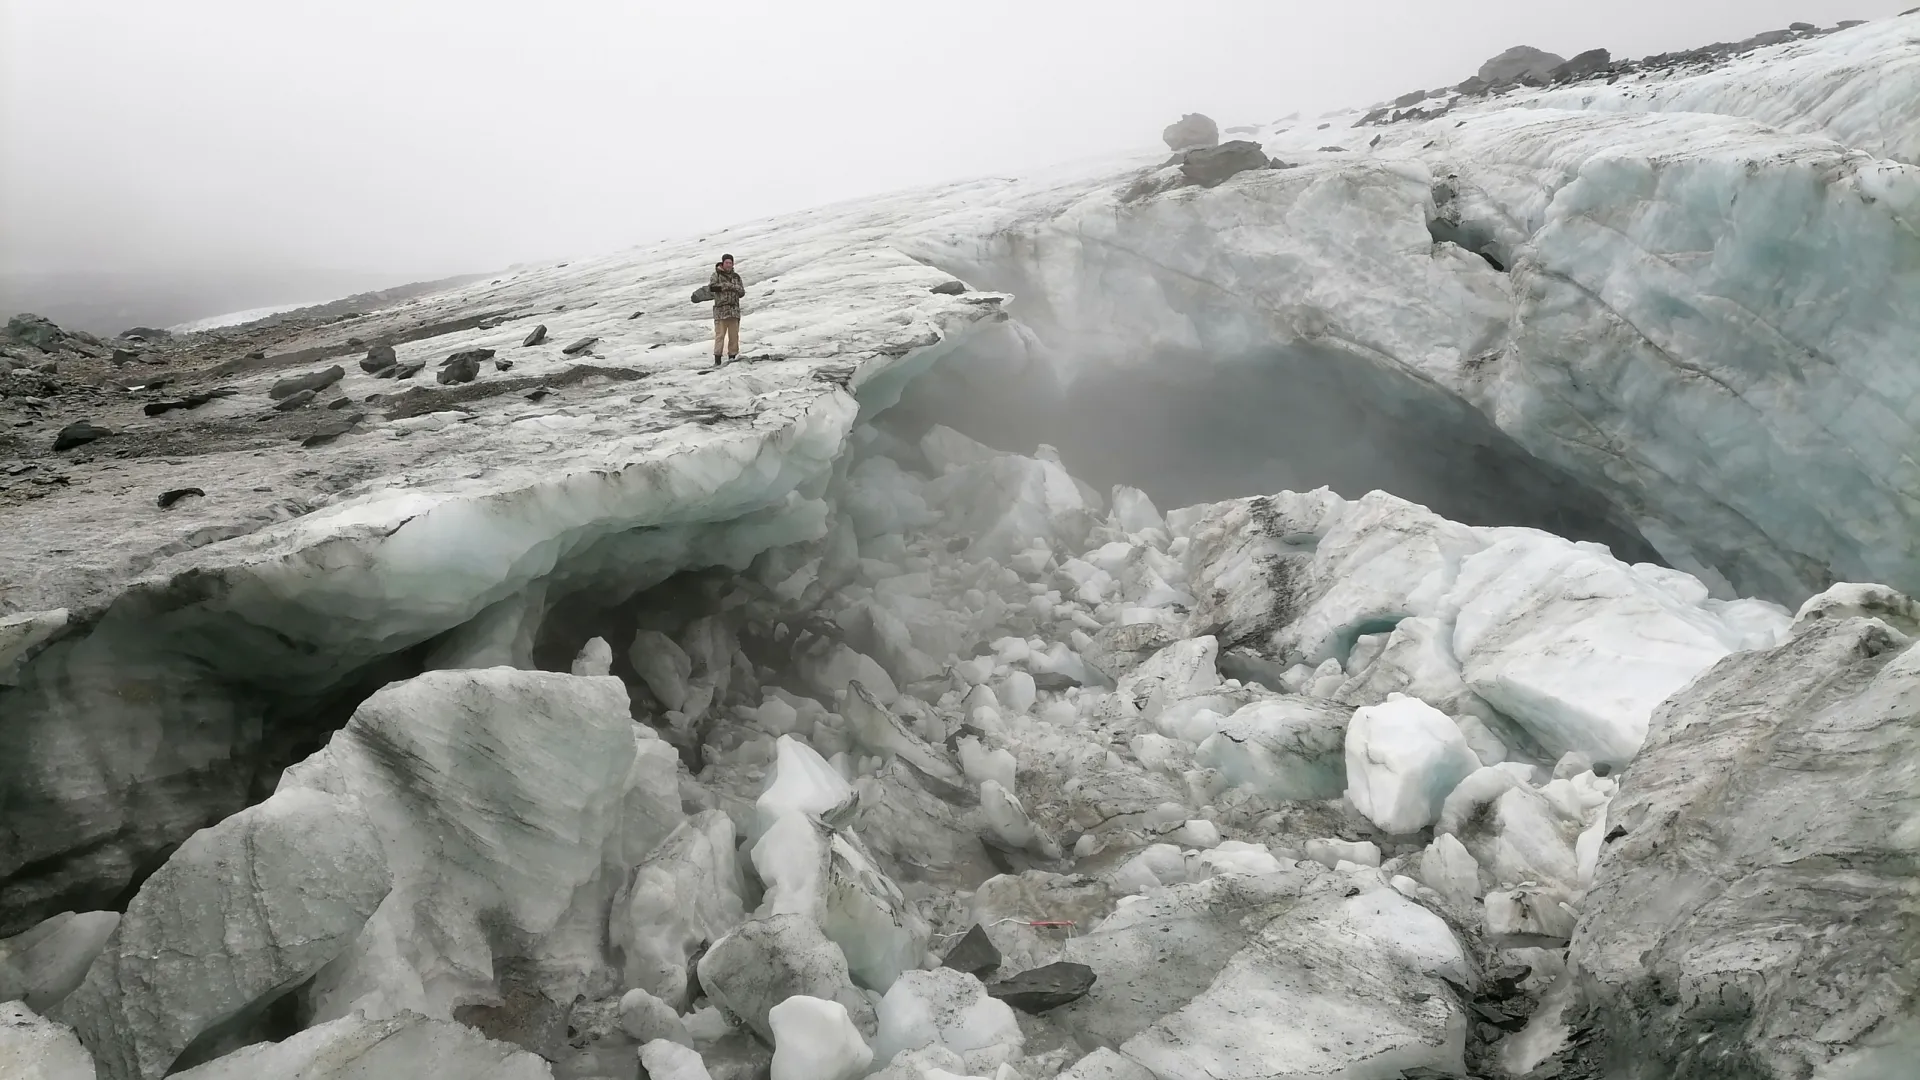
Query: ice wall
[1703,319]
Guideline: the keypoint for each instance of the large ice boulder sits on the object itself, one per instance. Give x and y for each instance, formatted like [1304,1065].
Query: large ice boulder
[45,964]
[816,1040]
[242,913]
[33,1048]
[1571,646]
[1578,648]
[1771,814]
[684,896]
[1403,758]
[500,798]
[1282,748]
[827,874]
[662,1059]
[765,961]
[952,1009]
[1156,953]
[355,1047]
[1334,987]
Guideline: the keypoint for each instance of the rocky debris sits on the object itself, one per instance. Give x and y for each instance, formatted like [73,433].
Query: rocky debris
[403,371]
[1772,803]
[340,403]
[538,335]
[313,381]
[1040,989]
[43,965]
[1212,166]
[300,399]
[378,358]
[949,288]
[580,346]
[1521,64]
[36,331]
[32,1048]
[168,498]
[332,430]
[190,401]
[240,914]
[459,369]
[78,433]
[399,1046]
[974,954]
[1191,132]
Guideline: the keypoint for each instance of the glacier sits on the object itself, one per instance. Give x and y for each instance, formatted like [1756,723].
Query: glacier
[1523,495]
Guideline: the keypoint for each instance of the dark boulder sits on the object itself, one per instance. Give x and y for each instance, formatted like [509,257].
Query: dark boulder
[379,357]
[464,355]
[1802,27]
[459,369]
[312,380]
[975,954]
[1209,168]
[1520,64]
[539,335]
[37,331]
[168,498]
[79,433]
[949,288]
[1412,97]
[296,400]
[580,346]
[1191,132]
[1584,65]
[1043,988]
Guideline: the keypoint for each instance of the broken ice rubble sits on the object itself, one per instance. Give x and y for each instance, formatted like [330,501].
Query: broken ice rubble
[1328,852]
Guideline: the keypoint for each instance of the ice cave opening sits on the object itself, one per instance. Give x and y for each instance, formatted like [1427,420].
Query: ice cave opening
[1188,426]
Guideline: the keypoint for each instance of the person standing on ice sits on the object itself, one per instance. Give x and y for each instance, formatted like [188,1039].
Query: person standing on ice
[727,291]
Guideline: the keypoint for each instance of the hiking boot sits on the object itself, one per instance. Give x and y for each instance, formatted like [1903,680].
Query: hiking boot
[733,357]
[716,359]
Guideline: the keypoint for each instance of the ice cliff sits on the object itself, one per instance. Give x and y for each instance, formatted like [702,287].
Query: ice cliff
[594,709]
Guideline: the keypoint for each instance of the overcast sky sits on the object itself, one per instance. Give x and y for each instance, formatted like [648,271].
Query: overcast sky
[436,136]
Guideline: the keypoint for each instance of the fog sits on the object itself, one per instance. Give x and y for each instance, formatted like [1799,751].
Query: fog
[284,148]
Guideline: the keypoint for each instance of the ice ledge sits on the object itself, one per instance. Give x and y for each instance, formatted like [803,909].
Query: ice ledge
[444,513]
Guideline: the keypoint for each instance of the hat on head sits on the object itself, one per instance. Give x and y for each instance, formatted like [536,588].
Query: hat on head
[726,258]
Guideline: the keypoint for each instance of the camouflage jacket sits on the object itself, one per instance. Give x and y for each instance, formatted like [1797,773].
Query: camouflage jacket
[727,291]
